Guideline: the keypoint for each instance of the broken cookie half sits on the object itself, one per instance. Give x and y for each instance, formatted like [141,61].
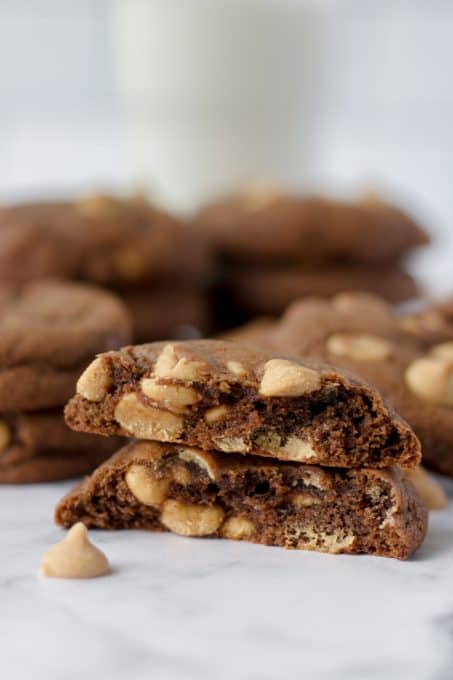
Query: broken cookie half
[219,396]
[150,485]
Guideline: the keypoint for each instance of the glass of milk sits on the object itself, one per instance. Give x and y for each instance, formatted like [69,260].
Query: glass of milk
[217,93]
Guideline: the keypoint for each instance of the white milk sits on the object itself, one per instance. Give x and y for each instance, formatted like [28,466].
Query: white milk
[217,93]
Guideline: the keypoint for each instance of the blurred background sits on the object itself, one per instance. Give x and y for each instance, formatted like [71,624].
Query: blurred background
[188,99]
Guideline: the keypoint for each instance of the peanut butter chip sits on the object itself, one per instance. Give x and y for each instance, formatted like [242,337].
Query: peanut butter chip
[359,346]
[95,381]
[236,368]
[130,264]
[144,487]
[147,422]
[284,378]
[5,435]
[200,458]
[191,520]
[176,397]
[98,205]
[431,379]
[443,351]
[237,528]
[74,557]
[257,195]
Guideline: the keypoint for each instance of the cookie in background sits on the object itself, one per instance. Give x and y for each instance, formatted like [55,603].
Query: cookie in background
[275,247]
[49,331]
[148,256]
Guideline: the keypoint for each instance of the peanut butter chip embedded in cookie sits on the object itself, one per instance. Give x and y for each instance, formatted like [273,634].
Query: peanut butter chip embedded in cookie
[284,378]
[191,520]
[74,557]
[175,397]
[236,368]
[144,487]
[147,422]
[216,413]
[201,458]
[359,346]
[431,379]
[169,365]
[95,381]
[237,528]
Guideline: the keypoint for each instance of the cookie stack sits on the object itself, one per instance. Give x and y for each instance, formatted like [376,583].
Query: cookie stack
[247,445]
[408,359]
[49,331]
[274,248]
[148,257]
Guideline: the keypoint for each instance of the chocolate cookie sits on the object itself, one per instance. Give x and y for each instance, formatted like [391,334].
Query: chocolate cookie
[270,290]
[49,332]
[219,395]
[162,487]
[165,312]
[100,239]
[265,225]
[39,447]
[361,333]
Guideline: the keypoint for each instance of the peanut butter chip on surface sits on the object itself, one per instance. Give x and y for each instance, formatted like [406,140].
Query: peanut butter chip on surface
[359,346]
[431,379]
[284,378]
[74,557]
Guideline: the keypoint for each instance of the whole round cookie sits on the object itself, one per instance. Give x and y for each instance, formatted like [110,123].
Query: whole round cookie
[362,334]
[49,330]
[263,224]
[100,239]
[269,290]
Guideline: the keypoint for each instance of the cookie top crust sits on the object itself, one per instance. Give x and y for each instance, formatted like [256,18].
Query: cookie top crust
[269,225]
[100,239]
[59,323]
[361,334]
[219,395]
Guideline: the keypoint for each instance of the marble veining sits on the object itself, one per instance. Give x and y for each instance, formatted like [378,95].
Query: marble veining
[197,609]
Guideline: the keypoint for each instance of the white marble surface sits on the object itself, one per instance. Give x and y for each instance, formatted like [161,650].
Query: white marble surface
[182,609]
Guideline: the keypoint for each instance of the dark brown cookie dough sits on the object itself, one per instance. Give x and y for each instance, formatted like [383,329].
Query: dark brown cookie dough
[219,395]
[259,290]
[165,312]
[49,332]
[361,334]
[267,225]
[39,447]
[162,487]
[100,239]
